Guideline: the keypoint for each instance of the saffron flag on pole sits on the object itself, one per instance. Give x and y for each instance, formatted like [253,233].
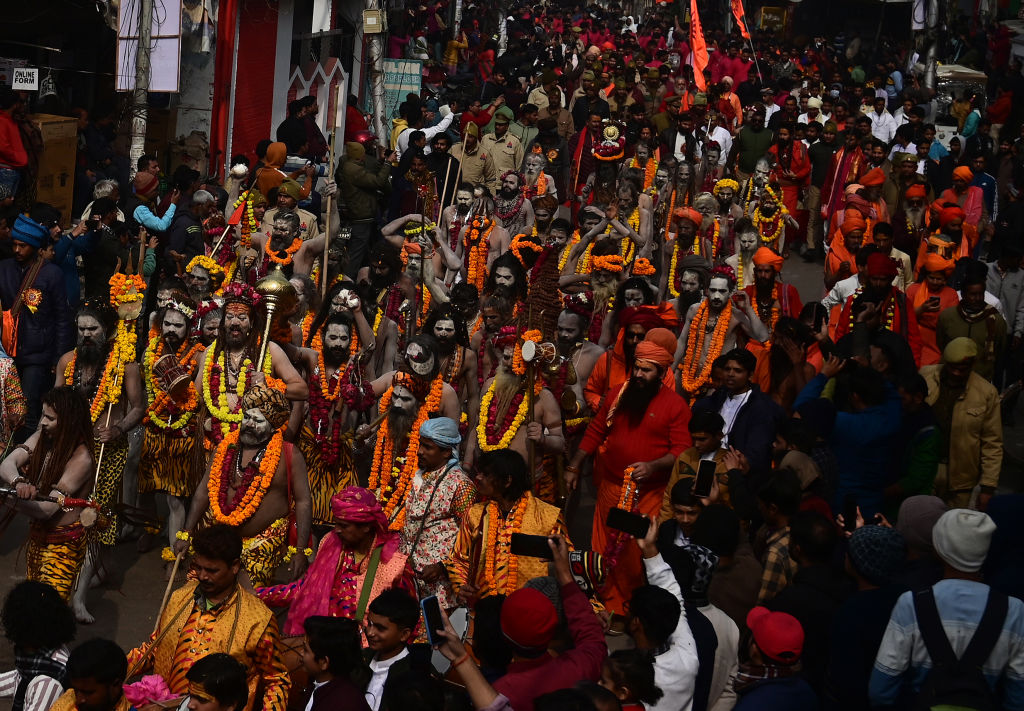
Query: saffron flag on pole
[737,12]
[698,47]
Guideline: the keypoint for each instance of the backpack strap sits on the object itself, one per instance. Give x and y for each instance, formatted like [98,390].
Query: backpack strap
[930,625]
[987,633]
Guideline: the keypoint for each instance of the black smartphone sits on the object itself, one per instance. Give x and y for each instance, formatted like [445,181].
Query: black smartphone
[532,546]
[432,618]
[705,478]
[627,522]
[850,513]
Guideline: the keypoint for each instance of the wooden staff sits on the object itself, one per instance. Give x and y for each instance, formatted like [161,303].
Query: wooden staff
[531,446]
[373,426]
[167,591]
[444,190]
[103,445]
[330,198]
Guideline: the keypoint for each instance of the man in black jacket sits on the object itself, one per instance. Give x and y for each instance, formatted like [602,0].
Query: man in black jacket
[751,417]
[679,141]
[33,289]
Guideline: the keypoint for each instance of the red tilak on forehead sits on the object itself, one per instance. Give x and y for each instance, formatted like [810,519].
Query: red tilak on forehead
[236,308]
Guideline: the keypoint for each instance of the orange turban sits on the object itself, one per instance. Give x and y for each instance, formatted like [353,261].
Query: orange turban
[653,353]
[662,337]
[766,256]
[412,248]
[916,191]
[948,214]
[688,213]
[852,220]
[936,263]
[964,173]
[875,176]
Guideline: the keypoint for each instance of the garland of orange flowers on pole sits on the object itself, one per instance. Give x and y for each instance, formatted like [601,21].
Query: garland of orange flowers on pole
[478,244]
[504,540]
[629,492]
[692,379]
[249,494]
[388,481]
[643,267]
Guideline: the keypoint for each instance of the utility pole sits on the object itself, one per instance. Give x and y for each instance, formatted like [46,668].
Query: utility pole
[375,50]
[140,94]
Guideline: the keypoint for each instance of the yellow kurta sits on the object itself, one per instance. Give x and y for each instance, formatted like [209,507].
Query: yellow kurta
[66,702]
[241,626]
[539,519]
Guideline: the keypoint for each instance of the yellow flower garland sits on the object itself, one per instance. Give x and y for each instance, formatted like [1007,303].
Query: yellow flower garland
[510,433]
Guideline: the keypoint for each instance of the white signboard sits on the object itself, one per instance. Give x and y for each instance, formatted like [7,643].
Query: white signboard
[25,79]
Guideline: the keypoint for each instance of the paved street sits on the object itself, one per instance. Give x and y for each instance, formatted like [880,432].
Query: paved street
[126,605]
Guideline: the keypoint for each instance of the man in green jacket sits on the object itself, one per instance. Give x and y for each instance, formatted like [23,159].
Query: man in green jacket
[360,190]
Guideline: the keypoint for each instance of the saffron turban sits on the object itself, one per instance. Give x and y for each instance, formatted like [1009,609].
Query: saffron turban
[443,431]
[881,265]
[766,256]
[852,221]
[688,213]
[948,214]
[358,505]
[272,403]
[936,263]
[653,353]
[411,247]
[662,337]
[916,191]
[875,176]
[964,173]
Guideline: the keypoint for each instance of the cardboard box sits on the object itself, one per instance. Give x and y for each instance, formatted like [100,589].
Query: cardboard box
[56,182]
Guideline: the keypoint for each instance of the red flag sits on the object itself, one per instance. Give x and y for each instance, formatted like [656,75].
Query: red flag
[698,47]
[737,12]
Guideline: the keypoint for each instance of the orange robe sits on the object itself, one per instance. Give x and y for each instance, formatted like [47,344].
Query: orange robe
[929,320]
[610,372]
[663,430]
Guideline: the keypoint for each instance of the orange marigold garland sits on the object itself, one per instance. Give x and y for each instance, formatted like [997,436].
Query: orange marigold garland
[692,378]
[503,539]
[388,481]
[629,497]
[643,267]
[249,494]
[477,244]
[289,252]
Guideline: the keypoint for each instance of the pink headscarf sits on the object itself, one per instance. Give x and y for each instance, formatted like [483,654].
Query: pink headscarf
[354,504]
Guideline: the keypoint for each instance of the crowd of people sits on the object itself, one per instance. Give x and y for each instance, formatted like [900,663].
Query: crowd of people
[530,360]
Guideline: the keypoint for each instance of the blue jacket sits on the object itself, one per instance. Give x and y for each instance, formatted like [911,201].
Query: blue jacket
[45,335]
[861,442]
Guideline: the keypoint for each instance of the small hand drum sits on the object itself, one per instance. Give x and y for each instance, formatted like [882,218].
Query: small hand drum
[172,375]
[543,352]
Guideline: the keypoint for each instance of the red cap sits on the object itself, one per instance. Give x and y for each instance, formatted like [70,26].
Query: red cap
[778,635]
[528,619]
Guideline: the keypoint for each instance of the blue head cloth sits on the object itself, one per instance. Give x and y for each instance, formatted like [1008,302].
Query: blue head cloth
[29,231]
[444,431]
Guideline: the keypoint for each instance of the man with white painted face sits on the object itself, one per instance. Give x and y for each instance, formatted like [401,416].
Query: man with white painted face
[420,361]
[721,322]
[742,262]
[326,433]
[254,482]
[511,205]
[458,362]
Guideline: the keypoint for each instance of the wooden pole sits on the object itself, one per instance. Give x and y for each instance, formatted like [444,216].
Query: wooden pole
[167,590]
[330,198]
[531,446]
[103,445]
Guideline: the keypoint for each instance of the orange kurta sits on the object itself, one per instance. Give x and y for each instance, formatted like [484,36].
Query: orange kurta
[663,430]
[927,321]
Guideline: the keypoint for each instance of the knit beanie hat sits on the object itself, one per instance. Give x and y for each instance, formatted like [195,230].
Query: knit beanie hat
[961,538]
[916,519]
[877,553]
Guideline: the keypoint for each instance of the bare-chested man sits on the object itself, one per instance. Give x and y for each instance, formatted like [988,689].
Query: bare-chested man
[506,392]
[248,484]
[714,326]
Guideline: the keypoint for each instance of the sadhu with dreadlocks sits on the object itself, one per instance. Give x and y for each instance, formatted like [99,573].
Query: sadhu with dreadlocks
[55,461]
